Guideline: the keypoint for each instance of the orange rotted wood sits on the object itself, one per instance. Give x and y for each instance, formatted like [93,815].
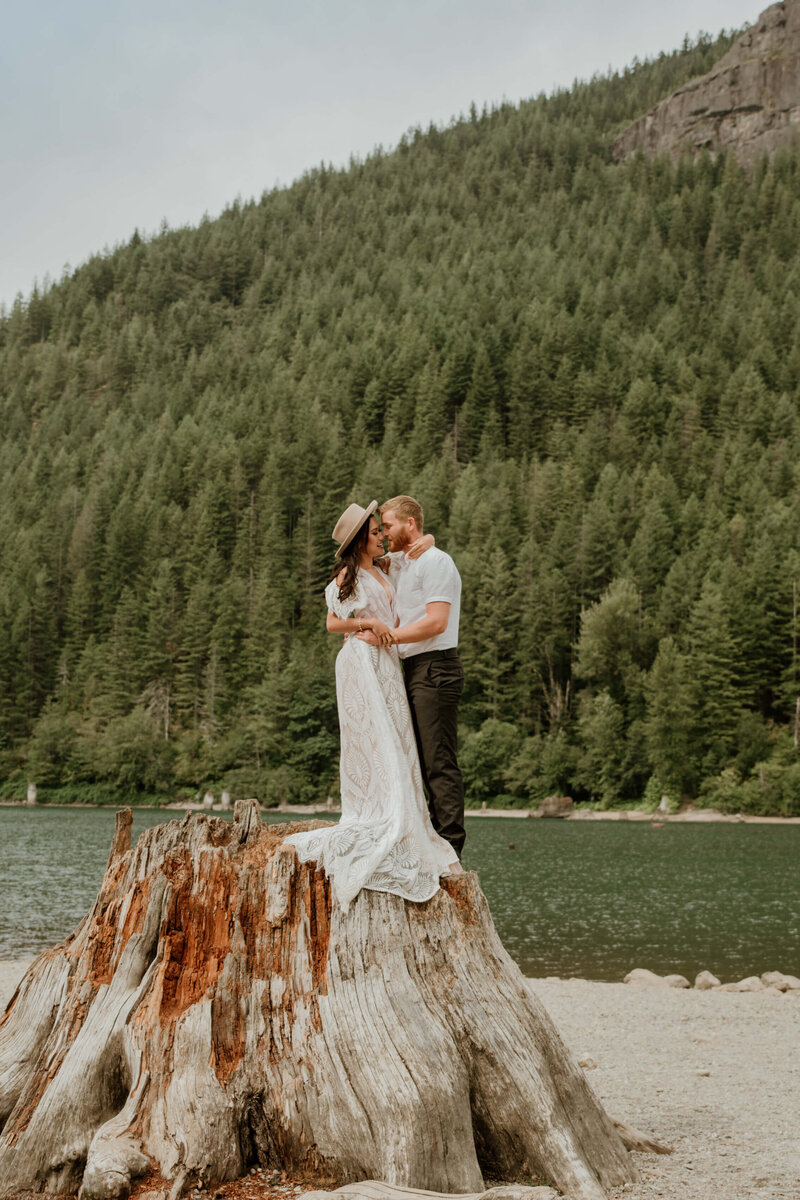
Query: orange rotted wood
[228,1015]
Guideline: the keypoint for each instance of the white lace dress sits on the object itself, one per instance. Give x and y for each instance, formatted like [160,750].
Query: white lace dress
[384,840]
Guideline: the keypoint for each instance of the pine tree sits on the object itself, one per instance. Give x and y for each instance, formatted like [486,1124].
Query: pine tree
[668,728]
[491,660]
[601,727]
[712,652]
[480,399]
[610,648]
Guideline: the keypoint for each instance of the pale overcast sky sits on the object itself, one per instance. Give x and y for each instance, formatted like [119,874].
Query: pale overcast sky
[118,113]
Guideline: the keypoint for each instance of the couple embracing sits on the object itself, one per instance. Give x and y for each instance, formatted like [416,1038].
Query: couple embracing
[398,683]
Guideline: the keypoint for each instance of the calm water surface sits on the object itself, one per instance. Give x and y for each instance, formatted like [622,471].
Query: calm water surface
[570,898]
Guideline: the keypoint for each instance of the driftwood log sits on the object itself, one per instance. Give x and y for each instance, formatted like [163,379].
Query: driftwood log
[213,1012]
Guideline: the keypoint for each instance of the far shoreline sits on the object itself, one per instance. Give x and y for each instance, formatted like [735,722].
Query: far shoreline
[13,969]
[698,816]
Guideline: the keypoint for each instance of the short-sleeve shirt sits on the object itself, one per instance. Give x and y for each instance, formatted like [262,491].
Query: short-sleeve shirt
[422,581]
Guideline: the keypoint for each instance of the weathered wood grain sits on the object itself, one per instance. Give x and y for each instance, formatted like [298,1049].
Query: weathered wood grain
[214,1011]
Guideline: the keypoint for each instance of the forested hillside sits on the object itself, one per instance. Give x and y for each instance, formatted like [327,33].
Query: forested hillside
[588,374]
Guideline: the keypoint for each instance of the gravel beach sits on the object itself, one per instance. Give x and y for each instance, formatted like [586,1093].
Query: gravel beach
[715,1074]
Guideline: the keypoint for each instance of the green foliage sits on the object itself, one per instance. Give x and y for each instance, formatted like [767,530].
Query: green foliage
[484,758]
[601,767]
[773,789]
[610,648]
[668,728]
[712,653]
[654,793]
[133,754]
[589,373]
[89,793]
[545,765]
[52,747]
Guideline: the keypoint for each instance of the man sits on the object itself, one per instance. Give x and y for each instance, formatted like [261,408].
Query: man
[428,606]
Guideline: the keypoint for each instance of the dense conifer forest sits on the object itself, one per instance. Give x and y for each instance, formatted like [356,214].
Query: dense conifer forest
[588,373]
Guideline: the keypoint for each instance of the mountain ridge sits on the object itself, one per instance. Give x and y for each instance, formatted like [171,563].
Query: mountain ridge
[749,103]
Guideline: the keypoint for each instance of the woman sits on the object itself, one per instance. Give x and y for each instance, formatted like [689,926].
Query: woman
[384,840]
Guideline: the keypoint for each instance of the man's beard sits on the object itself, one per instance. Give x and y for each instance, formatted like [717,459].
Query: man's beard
[399,541]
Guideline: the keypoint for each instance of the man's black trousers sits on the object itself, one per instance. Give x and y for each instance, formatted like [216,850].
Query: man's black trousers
[434,683]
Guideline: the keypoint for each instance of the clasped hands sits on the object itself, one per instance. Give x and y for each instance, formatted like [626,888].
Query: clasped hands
[378,635]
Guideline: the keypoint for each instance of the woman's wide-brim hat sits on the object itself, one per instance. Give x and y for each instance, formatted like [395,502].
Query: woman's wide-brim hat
[350,522]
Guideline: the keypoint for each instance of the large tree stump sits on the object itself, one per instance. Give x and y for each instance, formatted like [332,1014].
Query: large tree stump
[214,1011]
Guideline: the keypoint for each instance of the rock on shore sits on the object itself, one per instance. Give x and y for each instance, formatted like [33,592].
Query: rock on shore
[771,981]
[705,980]
[649,979]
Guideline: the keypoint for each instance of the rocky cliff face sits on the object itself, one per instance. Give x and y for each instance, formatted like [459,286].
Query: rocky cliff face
[749,103]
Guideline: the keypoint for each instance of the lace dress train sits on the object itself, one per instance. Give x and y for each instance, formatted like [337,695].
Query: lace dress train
[385,840]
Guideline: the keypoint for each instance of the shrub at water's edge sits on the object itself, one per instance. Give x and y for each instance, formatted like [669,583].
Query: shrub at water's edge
[773,790]
[95,794]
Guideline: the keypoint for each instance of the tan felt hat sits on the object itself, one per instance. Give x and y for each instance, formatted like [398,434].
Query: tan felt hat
[350,522]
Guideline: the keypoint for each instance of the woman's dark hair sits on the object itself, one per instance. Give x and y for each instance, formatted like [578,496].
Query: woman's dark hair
[349,559]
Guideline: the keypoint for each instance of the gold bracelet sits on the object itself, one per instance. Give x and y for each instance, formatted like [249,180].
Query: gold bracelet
[360,630]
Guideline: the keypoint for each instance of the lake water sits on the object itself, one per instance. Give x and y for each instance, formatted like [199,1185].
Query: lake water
[592,899]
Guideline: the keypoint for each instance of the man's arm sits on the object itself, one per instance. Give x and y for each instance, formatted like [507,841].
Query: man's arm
[437,614]
[432,624]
